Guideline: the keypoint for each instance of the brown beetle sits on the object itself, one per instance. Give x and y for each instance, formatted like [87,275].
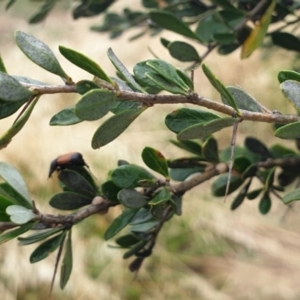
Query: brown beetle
[69,160]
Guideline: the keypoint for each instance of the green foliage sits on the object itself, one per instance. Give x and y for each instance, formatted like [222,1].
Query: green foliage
[147,201]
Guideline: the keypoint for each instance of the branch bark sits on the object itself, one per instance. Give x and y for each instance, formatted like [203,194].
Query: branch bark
[193,99]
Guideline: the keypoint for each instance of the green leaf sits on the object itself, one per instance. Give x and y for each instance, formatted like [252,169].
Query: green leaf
[225,38]
[257,147]
[9,4]
[14,233]
[76,182]
[241,164]
[291,196]
[123,105]
[12,90]
[257,34]
[288,75]
[265,204]
[9,108]
[186,78]
[36,237]
[286,41]
[69,200]
[67,263]
[65,117]
[143,215]
[140,70]
[190,146]
[254,194]
[162,196]
[168,21]
[95,104]
[144,226]
[204,129]
[131,198]
[181,174]
[168,72]
[210,150]
[183,118]
[291,90]
[290,131]
[6,138]
[42,13]
[239,199]
[114,126]
[219,185]
[2,65]
[135,249]
[128,176]
[162,84]
[279,151]
[164,42]
[183,52]
[19,214]
[84,62]
[242,99]
[44,249]
[84,86]
[158,210]
[124,72]
[4,203]
[270,179]
[119,223]
[155,161]
[40,54]
[15,180]
[222,22]
[219,86]
[110,190]
[125,241]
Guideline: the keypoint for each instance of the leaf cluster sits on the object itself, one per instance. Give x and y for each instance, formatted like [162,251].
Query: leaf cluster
[148,200]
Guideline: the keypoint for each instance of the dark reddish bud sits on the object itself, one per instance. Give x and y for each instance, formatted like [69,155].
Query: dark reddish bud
[69,160]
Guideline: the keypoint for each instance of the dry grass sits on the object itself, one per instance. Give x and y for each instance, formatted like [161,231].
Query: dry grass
[208,253]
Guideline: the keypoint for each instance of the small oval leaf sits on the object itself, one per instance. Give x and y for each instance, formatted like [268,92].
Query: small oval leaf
[161,197]
[114,126]
[129,176]
[67,263]
[242,99]
[44,249]
[291,196]
[183,118]
[95,104]
[84,62]
[219,86]
[14,233]
[69,201]
[168,21]
[19,214]
[288,75]
[12,90]
[204,129]
[291,90]
[124,72]
[131,198]
[183,52]
[39,53]
[65,117]
[15,180]
[119,223]
[290,131]
[155,161]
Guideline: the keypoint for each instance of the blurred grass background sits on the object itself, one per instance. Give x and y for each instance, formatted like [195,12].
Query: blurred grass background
[207,253]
